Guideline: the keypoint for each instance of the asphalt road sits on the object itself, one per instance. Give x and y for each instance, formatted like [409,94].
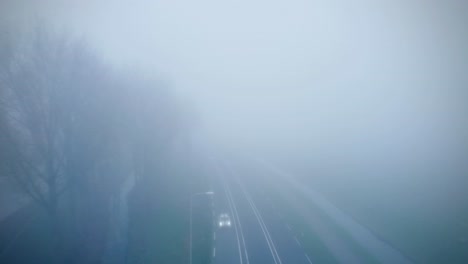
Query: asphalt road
[258,234]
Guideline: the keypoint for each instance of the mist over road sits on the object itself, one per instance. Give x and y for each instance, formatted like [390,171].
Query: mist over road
[328,131]
[261,233]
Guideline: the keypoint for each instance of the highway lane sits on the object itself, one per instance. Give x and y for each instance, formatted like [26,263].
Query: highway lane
[258,235]
[229,246]
[377,248]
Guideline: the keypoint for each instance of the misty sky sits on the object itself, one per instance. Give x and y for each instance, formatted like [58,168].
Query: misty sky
[358,76]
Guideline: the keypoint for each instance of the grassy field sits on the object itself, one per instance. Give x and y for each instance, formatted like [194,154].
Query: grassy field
[159,213]
[25,237]
[423,214]
[309,223]
[162,235]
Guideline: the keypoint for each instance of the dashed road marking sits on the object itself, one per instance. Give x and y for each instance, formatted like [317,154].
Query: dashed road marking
[308,259]
[264,228]
[297,241]
[236,220]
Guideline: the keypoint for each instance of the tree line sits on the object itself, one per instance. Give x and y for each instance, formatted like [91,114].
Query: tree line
[73,129]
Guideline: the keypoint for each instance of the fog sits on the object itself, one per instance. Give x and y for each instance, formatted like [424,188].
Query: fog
[360,98]
[362,80]
[275,72]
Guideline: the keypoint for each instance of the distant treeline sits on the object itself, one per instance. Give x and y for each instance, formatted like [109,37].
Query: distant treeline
[73,129]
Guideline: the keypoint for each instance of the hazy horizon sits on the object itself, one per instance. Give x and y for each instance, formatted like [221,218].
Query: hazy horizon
[368,77]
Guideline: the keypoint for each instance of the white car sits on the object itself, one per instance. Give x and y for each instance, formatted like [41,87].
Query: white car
[224,221]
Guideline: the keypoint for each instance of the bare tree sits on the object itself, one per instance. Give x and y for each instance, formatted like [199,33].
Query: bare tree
[71,131]
[57,122]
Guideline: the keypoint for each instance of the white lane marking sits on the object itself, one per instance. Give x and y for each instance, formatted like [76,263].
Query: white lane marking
[263,226]
[308,259]
[384,252]
[238,220]
[288,227]
[262,223]
[297,241]
[214,252]
[235,222]
[264,232]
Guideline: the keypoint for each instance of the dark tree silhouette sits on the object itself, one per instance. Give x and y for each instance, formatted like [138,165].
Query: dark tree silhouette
[59,129]
[72,131]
